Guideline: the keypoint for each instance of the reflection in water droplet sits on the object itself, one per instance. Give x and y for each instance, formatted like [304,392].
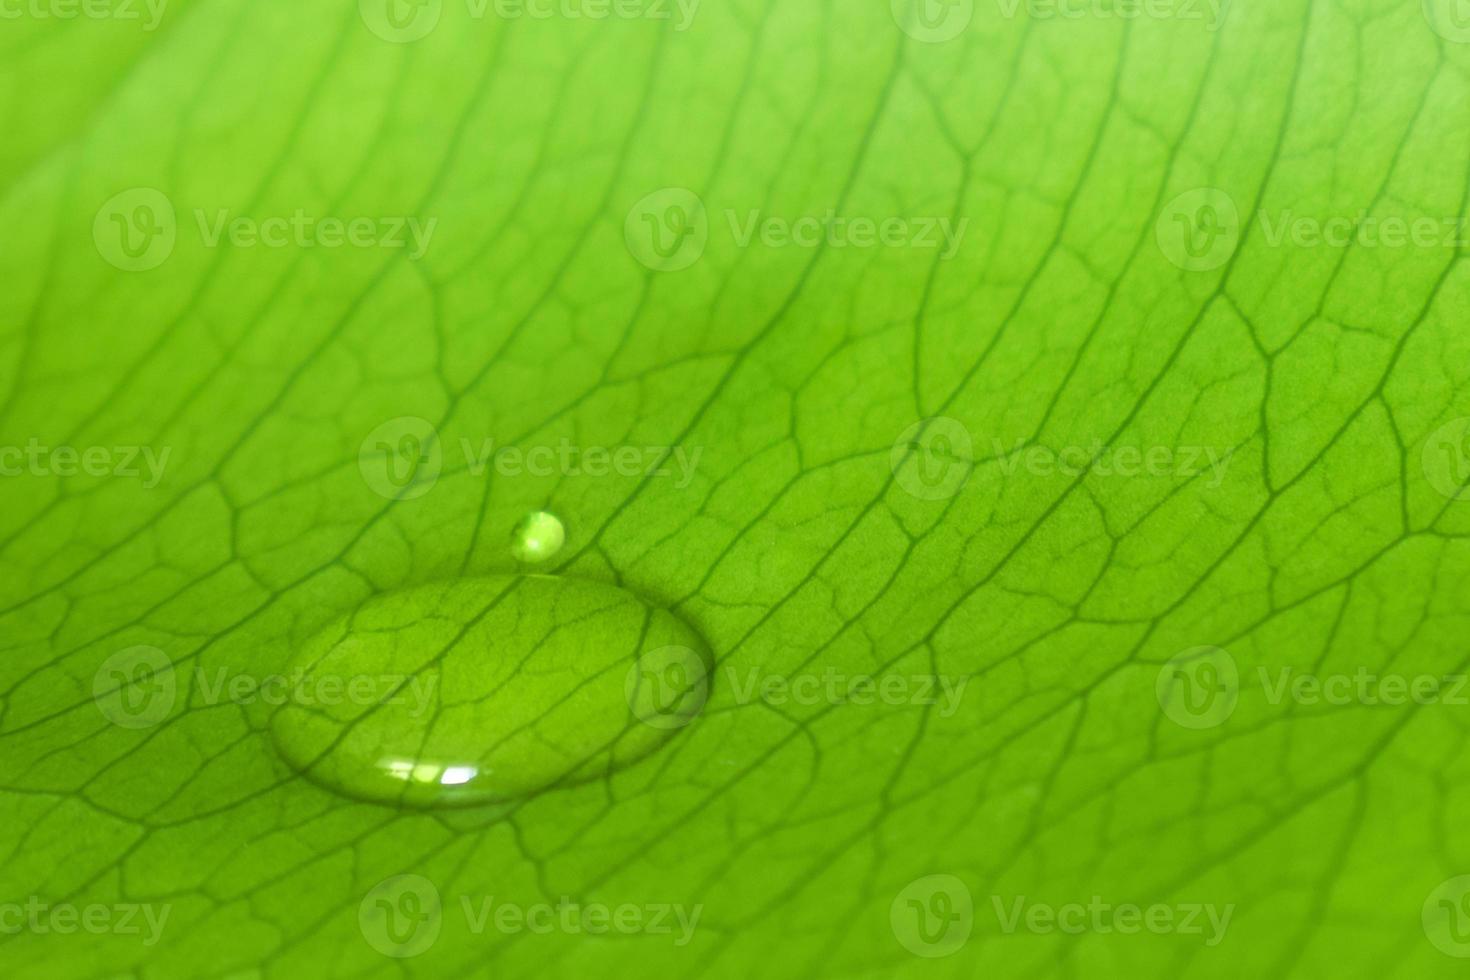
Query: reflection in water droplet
[485,690]
[537,536]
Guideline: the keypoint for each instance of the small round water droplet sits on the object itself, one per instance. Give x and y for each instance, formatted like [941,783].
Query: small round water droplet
[491,689]
[537,537]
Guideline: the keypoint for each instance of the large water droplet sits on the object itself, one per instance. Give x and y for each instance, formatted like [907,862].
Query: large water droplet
[537,536]
[486,690]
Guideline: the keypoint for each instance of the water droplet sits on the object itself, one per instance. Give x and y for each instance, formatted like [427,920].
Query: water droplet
[537,536]
[486,690]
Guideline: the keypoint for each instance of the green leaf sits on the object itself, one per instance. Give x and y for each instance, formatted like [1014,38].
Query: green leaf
[1051,416]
